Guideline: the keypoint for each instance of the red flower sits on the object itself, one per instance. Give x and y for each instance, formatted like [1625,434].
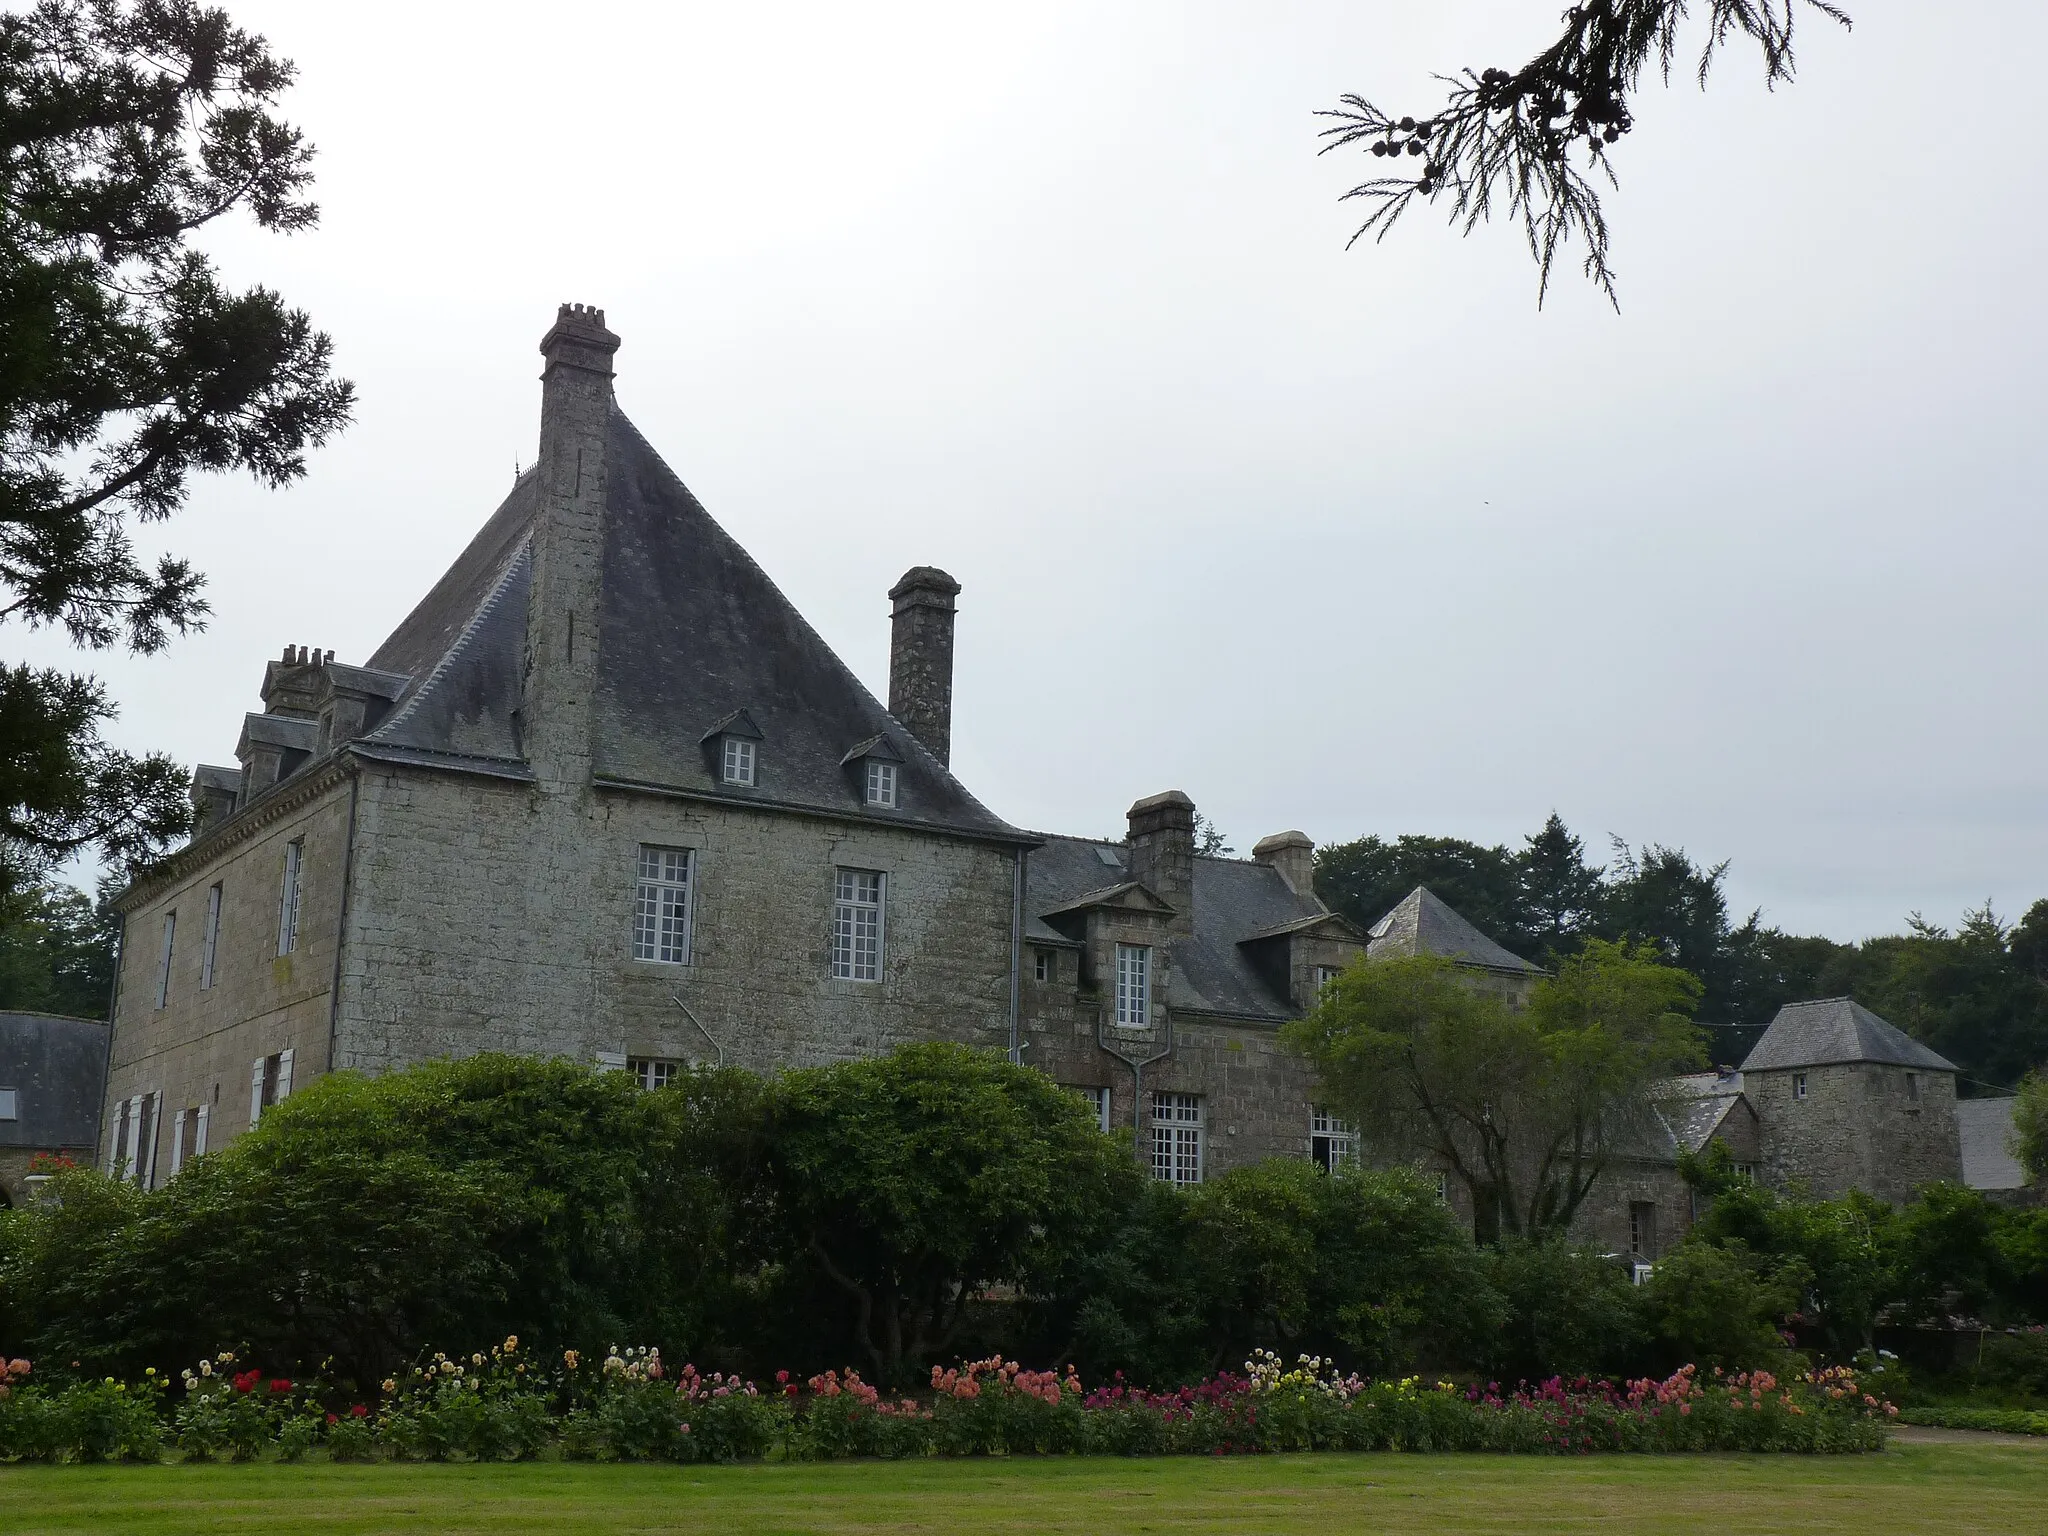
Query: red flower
[246,1381]
[334,1418]
[359,1412]
[280,1385]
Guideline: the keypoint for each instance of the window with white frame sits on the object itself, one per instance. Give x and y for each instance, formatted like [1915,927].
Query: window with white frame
[270,1082]
[288,897]
[1098,1105]
[881,784]
[1325,974]
[1332,1142]
[1798,1085]
[857,925]
[653,1071]
[1042,965]
[1134,986]
[10,1104]
[661,906]
[209,939]
[163,965]
[739,761]
[1177,1137]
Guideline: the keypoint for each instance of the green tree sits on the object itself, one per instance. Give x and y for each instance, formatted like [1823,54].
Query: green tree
[451,1204]
[1966,995]
[1526,1107]
[1535,141]
[57,951]
[1560,892]
[126,127]
[1566,1311]
[2030,1125]
[917,1179]
[1721,1305]
[1365,878]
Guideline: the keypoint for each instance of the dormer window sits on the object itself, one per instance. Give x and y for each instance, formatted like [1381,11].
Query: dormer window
[738,761]
[875,769]
[733,750]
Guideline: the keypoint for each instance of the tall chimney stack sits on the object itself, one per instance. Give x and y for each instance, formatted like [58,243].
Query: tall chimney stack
[1162,843]
[921,657]
[568,545]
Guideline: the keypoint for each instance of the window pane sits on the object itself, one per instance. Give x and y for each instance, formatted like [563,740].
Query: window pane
[1133,986]
[661,906]
[857,926]
[1177,1137]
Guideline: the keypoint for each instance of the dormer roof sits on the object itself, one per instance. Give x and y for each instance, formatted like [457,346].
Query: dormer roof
[1127,897]
[878,747]
[739,723]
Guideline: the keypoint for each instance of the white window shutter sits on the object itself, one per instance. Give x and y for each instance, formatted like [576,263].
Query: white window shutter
[255,1092]
[199,1136]
[148,1154]
[134,1136]
[284,1073]
[115,1133]
[611,1061]
[178,1141]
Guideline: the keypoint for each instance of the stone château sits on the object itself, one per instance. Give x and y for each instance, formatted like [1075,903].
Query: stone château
[604,794]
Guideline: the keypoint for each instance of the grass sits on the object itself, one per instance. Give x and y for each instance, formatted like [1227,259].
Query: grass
[1957,1490]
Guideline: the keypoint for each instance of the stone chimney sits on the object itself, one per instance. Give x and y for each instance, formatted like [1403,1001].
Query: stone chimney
[292,686]
[1291,856]
[568,546]
[921,657]
[1162,843]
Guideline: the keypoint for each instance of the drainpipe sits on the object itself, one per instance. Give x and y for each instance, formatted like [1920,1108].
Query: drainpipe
[1137,1064]
[348,868]
[1017,959]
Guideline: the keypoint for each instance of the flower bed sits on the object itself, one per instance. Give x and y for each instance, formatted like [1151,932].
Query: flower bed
[505,1406]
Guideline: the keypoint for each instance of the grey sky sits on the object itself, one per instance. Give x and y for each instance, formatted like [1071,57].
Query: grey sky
[1056,297]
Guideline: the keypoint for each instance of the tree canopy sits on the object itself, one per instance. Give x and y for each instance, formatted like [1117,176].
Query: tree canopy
[126,366]
[1525,1106]
[1535,142]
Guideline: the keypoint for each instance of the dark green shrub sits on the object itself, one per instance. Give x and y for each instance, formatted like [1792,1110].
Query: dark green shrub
[1568,1312]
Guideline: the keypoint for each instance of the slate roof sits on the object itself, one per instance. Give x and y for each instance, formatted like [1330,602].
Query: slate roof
[1695,1105]
[1423,925]
[56,1066]
[691,632]
[1234,899]
[1834,1031]
[1985,1126]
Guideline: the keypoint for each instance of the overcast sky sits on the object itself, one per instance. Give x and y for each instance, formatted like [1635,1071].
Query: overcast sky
[1056,297]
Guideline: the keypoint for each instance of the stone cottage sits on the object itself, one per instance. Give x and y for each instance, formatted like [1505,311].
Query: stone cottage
[605,794]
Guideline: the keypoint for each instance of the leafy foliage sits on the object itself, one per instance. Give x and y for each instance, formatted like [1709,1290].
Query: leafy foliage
[128,127]
[1526,1107]
[2030,1125]
[916,1179]
[57,951]
[1507,139]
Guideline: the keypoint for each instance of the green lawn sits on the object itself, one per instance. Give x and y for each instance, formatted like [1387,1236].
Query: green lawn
[1952,1489]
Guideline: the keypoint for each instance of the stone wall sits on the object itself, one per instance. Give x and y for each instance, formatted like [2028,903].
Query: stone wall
[490,915]
[197,1048]
[1859,1126]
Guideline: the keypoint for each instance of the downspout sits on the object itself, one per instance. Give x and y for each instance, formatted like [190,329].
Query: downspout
[348,867]
[1137,1064]
[1017,959]
[107,1056]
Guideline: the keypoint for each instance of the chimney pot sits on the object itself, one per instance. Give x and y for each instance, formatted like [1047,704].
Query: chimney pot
[921,656]
[1292,856]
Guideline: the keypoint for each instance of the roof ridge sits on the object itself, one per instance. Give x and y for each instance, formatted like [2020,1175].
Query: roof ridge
[905,737]
[446,664]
